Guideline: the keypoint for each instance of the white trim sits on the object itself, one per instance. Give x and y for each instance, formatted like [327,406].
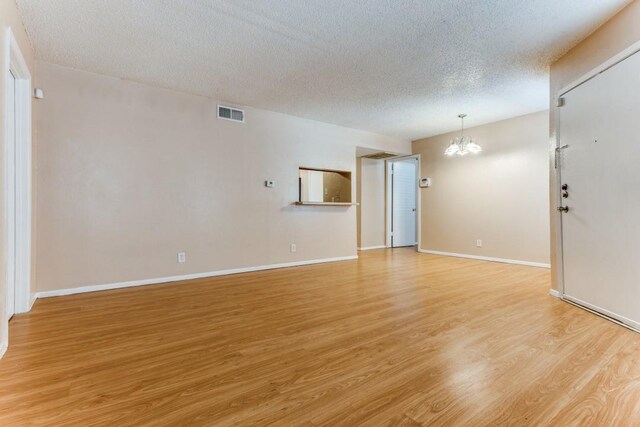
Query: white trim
[418,201]
[368,248]
[616,318]
[9,218]
[15,57]
[486,258]
[4,345]
[32,300]
[388,171]
[119,285]
[555,293]
[626,53]
[559,258]
[20,192]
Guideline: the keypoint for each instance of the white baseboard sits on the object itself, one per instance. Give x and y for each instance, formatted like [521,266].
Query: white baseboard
[554,293]
[3,348]
[109,286]
[486,258]
[33,296]
[368,248]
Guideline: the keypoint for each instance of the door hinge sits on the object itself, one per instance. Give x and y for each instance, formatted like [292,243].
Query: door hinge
[560,102]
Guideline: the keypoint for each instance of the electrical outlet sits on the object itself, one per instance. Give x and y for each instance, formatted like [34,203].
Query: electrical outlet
[182,257]
[292,247]
[479,243]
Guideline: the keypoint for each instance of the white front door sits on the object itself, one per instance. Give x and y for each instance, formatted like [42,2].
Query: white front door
[404,181]
[601,178]
[10,186]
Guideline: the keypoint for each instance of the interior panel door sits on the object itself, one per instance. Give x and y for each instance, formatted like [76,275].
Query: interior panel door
[403,223]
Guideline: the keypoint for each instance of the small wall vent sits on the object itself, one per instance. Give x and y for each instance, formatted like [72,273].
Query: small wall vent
[229,113]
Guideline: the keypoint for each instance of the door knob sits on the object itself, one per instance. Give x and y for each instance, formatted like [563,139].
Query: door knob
[564,209]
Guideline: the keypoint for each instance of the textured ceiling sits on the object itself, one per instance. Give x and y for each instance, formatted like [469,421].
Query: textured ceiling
[402,68]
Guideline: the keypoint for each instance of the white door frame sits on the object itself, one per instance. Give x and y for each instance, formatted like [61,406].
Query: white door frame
[626,53]
[20,221]
[388,194]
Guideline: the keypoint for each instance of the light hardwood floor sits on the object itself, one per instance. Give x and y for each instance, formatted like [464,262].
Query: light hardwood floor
[393,338]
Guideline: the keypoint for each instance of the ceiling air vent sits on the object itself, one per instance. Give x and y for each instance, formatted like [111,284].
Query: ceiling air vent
[228,113]
[381,155]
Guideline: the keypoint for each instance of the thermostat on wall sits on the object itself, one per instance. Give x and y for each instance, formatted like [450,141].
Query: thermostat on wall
[425,182]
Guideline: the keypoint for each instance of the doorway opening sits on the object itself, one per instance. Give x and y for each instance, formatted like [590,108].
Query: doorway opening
[403,202]
[371,195]
[17,189]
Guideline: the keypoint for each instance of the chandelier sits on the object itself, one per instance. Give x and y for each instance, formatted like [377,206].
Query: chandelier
[462,145]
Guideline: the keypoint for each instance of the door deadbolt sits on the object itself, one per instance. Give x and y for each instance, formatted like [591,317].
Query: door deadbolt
[565,187]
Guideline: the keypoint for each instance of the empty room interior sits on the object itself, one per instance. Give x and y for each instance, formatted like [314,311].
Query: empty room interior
[320,213]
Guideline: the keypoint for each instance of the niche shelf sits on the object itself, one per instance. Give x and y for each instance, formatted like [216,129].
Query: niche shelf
[325,203]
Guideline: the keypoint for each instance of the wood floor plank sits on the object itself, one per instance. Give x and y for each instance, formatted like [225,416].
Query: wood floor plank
[393,338]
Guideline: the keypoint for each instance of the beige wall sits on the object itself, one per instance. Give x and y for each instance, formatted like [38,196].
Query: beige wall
[614,36]
[359,201]
[128,175]
[9,18]
[499,195]
[371,197]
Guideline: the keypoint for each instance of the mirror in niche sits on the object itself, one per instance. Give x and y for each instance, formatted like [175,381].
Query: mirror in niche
[324,186]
